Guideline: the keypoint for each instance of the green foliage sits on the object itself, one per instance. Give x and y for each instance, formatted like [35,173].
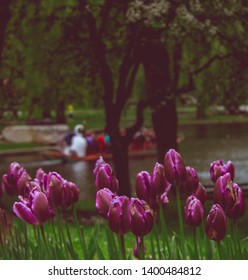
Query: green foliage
[48,55]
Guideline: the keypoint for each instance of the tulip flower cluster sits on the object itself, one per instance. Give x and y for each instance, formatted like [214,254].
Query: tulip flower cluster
[228,198]
[123,214]
[39,197]
[42,198]
[136,214]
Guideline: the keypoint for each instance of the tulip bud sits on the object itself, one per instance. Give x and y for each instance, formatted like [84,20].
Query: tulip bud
[164,199]
[66,195]
[53,184]
[70,194]
[119,215]
[98,164]
[143,185]
[158,180]
[16,181]
[193,211]
[201,193]
[174,168]
[219,189]
[104,198]
[40,207]
[191,181]
[75,192]
[230,197]
[35,209]
[218,168]
[215,227]
[105,178]
[235,207]
[40,174]
[141,217]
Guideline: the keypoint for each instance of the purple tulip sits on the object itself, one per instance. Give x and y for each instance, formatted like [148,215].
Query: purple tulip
[230,197]
[174,167]
[141,217]
[75,192]
[98,164]
[164,199]
[39,175]
[220,188]
[158,179]
[143,186]
[105,178]
[35,209]
[53,184]
[193,211]
[201,193]
[191,181]
[236,208]
[16,181]
[70,194]
[215,227]
[218,168]
[104,198]
[119,215]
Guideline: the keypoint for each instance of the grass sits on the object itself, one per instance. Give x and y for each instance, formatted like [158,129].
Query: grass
[10,146]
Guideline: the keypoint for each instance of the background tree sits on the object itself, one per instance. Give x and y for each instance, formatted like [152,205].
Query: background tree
[169,28]
[4,18]
[78,50]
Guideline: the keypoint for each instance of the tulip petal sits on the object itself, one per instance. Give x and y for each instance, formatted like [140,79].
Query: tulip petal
[40,207]
[24,213]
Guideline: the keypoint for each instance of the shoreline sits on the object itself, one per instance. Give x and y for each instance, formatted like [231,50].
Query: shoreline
[40,148]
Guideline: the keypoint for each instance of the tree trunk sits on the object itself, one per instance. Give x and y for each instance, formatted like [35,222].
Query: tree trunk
[164,121]
[159,86]
[4,18]
[60,113]
[119,148]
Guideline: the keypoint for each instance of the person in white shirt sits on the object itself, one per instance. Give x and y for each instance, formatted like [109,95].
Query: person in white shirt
[78,143]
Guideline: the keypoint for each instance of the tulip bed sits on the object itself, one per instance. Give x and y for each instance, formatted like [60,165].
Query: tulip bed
[170,217]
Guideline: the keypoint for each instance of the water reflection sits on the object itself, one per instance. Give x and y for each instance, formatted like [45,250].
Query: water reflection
[201,145]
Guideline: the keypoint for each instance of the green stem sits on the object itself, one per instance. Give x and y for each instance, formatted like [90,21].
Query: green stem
[155,231]
[44,240]
[195,245]
[180,217]
[164,230]
[219,250]
[152,247]
[237,240]
[140,247]
[230,240]
[81,234]
[61,234]
[122,246]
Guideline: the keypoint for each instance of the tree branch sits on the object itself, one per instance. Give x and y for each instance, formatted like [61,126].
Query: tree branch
[129,60]
[191,85]
[209,62]
[99,51]
[4,18]
[141,105]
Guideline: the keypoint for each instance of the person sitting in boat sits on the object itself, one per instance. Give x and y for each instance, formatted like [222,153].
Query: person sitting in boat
[78,144]
[138,140]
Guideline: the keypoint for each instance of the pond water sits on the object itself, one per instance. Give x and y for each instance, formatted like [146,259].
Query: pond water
[201,145]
